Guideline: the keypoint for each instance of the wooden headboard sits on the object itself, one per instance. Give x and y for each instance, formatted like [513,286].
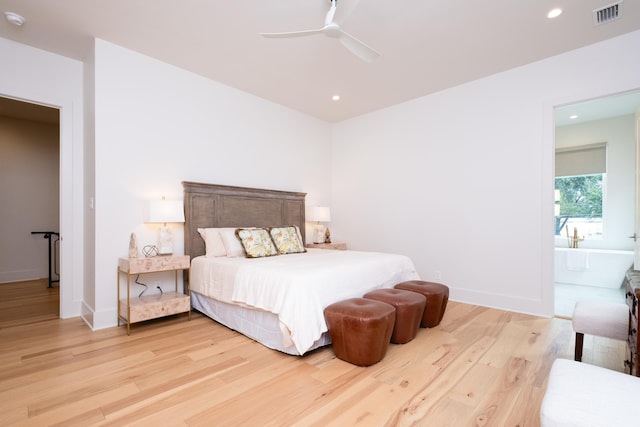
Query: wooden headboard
[212,206]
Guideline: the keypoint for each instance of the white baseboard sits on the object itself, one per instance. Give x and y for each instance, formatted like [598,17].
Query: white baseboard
[22,275]
[99,319]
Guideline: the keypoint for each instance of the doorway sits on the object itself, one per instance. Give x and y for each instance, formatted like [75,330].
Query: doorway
[30,183]
[610,122]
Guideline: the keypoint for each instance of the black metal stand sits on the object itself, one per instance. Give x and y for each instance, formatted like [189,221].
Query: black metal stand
[47,235]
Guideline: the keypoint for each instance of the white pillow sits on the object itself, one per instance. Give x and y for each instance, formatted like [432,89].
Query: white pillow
[231,242]
[212,242]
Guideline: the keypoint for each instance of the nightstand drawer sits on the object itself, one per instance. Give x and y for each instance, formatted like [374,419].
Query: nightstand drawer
[153,264]
[156,305]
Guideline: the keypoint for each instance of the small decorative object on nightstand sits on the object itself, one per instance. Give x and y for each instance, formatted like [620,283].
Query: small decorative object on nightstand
[327,235]
[147,307]
[334,246]
[133,246]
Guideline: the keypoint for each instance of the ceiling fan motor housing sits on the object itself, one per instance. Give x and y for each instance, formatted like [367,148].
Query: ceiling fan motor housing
[332,30]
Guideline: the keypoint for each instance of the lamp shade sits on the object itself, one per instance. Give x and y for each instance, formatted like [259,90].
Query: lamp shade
[165,211]
[320,214]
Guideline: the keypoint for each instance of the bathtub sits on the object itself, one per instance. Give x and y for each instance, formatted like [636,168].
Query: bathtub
[602,268]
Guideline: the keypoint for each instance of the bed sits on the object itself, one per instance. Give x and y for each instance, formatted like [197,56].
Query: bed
[276,300]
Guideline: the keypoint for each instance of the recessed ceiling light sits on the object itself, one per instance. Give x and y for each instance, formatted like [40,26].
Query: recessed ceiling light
[573,116]
[14,18]
[554,13]
[336,97]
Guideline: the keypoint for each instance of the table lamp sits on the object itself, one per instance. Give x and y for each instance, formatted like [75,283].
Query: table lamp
[165,211]
[321,214]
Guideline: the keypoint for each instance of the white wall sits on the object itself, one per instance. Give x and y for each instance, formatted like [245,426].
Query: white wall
[157,125]
[30,191]
[462,180]
[42,77]
[619,195]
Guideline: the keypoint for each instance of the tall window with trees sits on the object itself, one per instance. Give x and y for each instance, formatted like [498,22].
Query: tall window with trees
[580,205]
[580,185]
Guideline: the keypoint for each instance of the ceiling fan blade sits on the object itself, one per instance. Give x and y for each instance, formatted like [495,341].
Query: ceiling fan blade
[303,33]
[358,48]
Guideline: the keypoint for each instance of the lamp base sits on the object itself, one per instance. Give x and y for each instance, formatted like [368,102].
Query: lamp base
[165,242]
[319,234]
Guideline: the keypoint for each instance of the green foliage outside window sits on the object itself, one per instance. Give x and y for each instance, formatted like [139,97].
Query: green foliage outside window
[580,197]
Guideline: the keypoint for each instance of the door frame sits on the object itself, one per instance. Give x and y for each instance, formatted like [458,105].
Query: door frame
[636,231]
[548,290]
[70,220]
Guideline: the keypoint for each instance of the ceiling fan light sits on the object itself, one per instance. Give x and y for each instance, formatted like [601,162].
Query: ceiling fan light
[332,30]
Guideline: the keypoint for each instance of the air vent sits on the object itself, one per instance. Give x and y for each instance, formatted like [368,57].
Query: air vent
[607,13]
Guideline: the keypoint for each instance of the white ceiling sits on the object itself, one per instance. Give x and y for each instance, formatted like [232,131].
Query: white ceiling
[426,45]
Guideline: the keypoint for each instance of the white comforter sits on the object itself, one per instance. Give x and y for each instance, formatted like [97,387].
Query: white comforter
[297,287]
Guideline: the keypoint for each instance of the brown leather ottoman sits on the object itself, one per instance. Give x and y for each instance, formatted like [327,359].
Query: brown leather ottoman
[360,329]
[437,297]
[409,310]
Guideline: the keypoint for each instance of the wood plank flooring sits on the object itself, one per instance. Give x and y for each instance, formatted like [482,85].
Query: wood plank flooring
[28,302]
[479,367]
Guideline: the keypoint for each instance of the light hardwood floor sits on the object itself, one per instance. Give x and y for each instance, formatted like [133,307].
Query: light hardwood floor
[28,302]
[479,367]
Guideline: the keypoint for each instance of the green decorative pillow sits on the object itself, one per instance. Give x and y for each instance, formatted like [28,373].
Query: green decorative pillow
[256,242]
[287,240]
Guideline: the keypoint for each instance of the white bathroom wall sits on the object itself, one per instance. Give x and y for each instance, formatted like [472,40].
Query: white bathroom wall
[462,180]
[157,125]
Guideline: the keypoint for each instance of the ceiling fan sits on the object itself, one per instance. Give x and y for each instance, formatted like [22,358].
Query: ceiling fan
[333,30]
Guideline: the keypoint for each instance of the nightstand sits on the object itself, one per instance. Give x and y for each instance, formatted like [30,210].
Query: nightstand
[147,307]
[334,246]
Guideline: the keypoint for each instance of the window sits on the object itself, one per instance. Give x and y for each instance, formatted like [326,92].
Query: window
[580,184]
[579,206]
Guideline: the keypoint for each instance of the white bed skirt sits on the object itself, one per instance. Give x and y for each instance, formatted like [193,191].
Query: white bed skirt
[259,325]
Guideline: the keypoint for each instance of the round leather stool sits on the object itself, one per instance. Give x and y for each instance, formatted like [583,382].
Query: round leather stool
[409,310]
[360,329]
[437,297]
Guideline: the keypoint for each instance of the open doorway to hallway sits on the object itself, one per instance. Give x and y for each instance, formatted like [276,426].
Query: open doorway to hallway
[30,190]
